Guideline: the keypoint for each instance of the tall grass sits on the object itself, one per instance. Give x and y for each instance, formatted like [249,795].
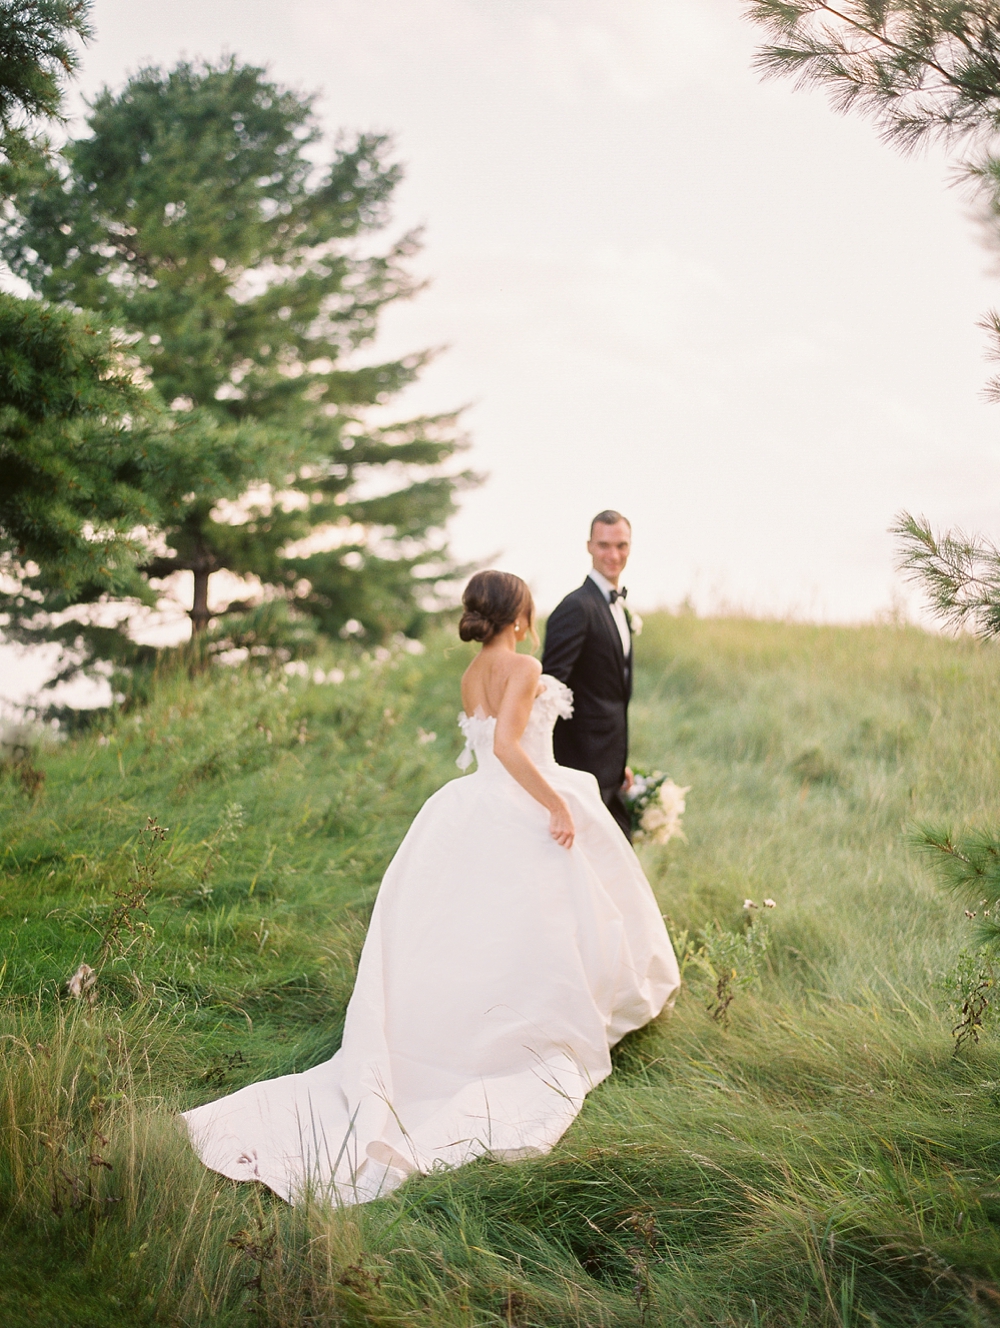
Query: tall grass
[819,1156]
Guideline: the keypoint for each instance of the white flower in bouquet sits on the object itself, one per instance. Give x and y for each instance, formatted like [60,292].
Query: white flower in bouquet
[672,798]
[661,820]
[653,818]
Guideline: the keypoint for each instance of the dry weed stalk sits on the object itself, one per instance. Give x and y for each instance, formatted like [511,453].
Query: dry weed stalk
[259,1248]
[130,900]
[642,1224]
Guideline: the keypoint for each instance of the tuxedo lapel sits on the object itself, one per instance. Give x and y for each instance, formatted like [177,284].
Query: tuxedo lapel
[610,626]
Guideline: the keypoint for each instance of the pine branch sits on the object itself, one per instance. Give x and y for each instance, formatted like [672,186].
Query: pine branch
[968,865]
[919,68]
[37,51]
[960,574]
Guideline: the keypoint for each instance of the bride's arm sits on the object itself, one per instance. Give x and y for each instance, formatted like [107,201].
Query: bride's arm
[512,720]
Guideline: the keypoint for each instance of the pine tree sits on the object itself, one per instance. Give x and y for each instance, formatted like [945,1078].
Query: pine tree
[75,443]
[76,430]
[194,213]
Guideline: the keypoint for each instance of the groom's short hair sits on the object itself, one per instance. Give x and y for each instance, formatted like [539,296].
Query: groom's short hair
[609,517]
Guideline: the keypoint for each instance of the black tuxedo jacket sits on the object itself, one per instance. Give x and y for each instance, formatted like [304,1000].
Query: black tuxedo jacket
[584,650]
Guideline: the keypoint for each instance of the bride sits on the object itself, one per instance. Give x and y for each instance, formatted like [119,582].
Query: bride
[514,940]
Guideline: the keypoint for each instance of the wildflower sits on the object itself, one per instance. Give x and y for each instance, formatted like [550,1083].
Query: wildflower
[414,647]
[969,915]
[748,904]
[424,738]
[336,676]
[769,903]
[82,983]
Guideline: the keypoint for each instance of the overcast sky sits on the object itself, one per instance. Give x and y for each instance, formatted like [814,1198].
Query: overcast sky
[665,286]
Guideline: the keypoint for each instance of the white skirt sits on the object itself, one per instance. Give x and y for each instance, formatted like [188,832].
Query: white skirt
[498,971]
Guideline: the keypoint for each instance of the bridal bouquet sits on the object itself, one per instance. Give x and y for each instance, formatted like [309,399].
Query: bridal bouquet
[656,805]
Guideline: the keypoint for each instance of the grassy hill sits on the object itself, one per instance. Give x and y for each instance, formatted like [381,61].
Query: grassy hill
[816,1156]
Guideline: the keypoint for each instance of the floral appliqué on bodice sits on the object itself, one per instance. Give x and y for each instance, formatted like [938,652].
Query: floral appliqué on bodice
[555,701]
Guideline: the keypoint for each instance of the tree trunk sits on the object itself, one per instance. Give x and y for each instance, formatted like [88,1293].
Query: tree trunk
[199,609]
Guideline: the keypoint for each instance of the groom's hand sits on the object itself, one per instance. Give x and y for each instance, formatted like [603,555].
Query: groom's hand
[629,779]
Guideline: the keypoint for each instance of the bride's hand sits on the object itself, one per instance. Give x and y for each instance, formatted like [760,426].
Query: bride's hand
[561,826]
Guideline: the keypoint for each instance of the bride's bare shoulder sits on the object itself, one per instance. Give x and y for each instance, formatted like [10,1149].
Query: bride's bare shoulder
[525,666]
[487,681]
[522,673]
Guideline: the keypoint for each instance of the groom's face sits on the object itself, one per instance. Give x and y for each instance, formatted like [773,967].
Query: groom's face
[609,546]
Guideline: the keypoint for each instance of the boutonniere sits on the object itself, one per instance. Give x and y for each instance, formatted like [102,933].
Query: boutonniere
[634,621]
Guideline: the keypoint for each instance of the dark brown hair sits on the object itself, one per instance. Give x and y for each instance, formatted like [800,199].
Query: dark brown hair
[492,601]
[609,517]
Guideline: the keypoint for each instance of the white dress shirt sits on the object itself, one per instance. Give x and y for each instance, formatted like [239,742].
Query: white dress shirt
[617,609]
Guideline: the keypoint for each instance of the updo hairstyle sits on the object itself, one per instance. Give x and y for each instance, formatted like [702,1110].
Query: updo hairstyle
[492,601]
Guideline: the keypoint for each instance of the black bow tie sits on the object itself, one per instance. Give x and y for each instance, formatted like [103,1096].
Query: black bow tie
[617,594]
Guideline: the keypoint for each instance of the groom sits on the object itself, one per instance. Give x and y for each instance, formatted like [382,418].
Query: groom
[588,646]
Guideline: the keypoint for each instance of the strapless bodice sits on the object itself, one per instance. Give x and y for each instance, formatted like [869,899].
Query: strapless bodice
[554,701]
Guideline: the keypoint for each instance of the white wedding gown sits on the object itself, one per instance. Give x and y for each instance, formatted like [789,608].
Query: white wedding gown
[498,971]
